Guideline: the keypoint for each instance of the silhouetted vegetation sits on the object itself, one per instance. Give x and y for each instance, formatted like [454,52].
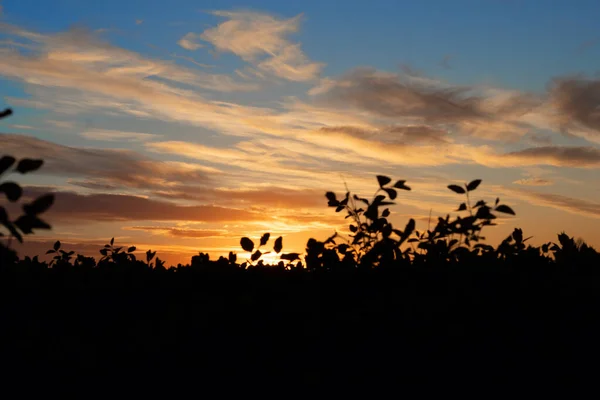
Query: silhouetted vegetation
[380,304]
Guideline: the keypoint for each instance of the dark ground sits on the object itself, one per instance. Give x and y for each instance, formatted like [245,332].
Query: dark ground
[451,329]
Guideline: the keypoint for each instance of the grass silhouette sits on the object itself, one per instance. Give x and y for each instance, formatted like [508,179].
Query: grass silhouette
[384,306]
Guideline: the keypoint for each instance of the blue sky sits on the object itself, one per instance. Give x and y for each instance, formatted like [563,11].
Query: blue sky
[219,103]
[514,43]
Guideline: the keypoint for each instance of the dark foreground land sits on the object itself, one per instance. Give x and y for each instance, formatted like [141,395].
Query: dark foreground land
[446,328]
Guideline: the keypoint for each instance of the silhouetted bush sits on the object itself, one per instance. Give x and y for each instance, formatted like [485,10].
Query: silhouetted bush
[382,306]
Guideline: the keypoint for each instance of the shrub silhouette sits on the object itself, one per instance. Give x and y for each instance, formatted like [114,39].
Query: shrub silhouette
[374,305]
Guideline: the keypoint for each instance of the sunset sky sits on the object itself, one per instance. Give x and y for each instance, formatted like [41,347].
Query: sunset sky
[181,126]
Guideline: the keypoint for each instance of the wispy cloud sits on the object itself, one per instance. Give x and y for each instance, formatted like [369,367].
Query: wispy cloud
[261,40]
[180,232]
[562,202]
[561,156]
[534,181]
[189,41]
[108,135]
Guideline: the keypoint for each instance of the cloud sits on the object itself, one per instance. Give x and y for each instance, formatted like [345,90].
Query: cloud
[261,40]
[576,102]
[71,206]
[188,41]
[565,203]
[27,127]
[108,135]
[105,167]
[478,111]
[560,156]
[273,197]
[538,139]
[534,181]
[78,59]
[403,134]
[180,232]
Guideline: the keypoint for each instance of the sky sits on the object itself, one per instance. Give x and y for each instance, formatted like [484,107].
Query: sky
[182,126]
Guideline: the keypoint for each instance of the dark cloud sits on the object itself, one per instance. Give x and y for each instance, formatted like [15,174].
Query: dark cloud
[102,168]
[540,139]
[577,102]
[270,196]
[394,134]
[70,206]
[568,156]
[394,96]
[565,203]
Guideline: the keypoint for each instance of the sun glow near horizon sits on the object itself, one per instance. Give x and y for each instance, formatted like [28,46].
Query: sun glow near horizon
[185,137]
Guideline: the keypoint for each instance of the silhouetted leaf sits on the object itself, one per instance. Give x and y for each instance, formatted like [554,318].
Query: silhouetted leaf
[372,212]
[473,184]
[412,240]
[5,113]
[131,249]
[386,213]
[28,165]
[232,257]
[378,199]
[256,255]
[57,245]
[391,193]
[462,207]
[247,244]
[484,213]
[5,163]
[39,205]
[361,199]
[13,231]
[383,180]
[505,209]
[104,252]
[51,251]
[150,255]
[401,185]
[410,227]
[480,203]
[264,239]
[12,190]
[26,223]
[112,241]
[290,256]
[353,228]
[332,201]
[3,215]
[497,201]
[456,189]
[278,246]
